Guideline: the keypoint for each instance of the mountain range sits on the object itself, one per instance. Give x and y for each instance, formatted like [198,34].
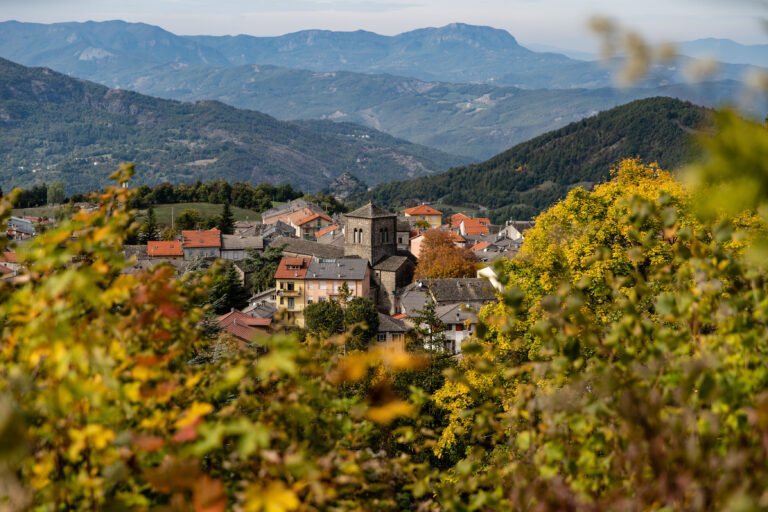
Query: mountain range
[477,120]
[530,177]
[112,51]
[53,127]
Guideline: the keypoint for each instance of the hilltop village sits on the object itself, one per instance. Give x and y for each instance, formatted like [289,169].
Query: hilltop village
[369,253]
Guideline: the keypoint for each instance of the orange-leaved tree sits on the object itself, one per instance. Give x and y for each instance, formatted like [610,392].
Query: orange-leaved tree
[441,258]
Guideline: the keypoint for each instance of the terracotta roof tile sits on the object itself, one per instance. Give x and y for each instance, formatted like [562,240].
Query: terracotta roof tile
[283,272]
[313,217]
[210,238]
[479,246]
[161,249]
[422,209]
[457,218]
[242,326]
[323,231]
[474,227]
[9,257]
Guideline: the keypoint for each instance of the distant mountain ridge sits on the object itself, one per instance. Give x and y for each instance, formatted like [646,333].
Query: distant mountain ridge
[116,52]
[53,127]
[477,120]
[531,176]
[726,50]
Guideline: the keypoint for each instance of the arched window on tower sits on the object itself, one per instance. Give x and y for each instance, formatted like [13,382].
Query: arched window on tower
[386,235]
[360,235]
[354,236]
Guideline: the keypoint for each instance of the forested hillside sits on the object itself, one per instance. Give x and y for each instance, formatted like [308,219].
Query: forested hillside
[530,177]
[53,127]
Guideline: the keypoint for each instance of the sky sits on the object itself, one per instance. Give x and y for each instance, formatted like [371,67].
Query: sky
[559,23]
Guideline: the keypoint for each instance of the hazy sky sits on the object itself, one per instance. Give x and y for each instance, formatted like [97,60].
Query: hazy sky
[555,22]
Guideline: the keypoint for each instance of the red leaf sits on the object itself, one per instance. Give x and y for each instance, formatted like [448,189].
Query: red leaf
[209,495]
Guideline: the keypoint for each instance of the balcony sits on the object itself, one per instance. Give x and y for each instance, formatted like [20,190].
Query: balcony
[289,293]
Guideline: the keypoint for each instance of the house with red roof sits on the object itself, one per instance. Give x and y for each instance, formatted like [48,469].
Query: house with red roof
[472,227]
[289,284]
[308,227]
[456,219]
[8,259]
[425,213]
[201,243]
[165,249]
[244,328]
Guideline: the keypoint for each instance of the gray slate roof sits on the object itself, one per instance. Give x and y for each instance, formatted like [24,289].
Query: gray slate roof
[471,289]
[370,211]
[389,324]
[237,242]
[391,264]
[455,314]
[308,249]
[352,269]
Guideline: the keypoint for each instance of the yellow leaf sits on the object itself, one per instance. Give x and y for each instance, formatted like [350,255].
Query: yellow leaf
[390,412]
[197,410]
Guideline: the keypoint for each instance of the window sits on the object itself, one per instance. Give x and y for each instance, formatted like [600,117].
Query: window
[310,300]
[281,301]
[290,286]
[459,327]
[321,299]
[382,336]
[322,285]
[290,303]
[309,285]
[282,285]
[400,240]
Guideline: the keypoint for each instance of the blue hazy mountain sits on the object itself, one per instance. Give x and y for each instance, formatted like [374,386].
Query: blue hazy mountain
[726,50]
[111,52]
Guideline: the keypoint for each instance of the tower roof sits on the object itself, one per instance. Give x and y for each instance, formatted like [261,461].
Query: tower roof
[370,211]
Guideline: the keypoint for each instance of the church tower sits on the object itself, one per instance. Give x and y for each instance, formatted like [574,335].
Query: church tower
[370,233]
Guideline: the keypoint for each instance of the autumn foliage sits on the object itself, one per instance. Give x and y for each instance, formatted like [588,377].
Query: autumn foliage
[441,258]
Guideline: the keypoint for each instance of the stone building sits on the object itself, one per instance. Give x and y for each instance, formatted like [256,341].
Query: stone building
[371,234]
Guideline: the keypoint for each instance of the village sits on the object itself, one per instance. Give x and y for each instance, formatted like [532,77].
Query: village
[370,252]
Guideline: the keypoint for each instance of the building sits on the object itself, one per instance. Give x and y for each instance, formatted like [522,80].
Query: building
[19,229]
[391,274]
[370,233]
[418,240]
[473,227]
[202,243]
[471,291]
[306,249]
[460,323]
[391,329]
[236,247]
[9,260]
[325,277]
[308,227]
[425,213]
[455,219]
[515,229]
[246,329]
[291,212]
[289,283]
[165,249]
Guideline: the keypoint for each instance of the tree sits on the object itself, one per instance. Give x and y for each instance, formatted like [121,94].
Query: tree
[440,258]
[344,294]
[56,193]
[149,231]
[362,318]
[227,291]
[226,221]
[189,219]
[429,330]
[263,267]
[324,318]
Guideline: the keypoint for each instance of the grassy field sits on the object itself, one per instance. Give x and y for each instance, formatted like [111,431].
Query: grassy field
[163,211]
